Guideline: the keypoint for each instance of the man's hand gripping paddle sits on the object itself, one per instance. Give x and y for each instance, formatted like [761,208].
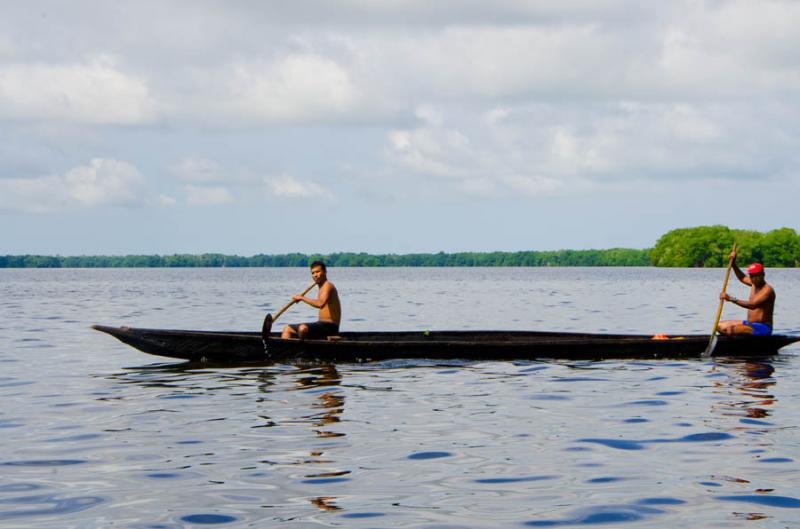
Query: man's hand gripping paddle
[266,327]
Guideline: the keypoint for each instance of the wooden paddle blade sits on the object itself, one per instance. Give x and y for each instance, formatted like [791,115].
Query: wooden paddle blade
[711,345]
[266,327]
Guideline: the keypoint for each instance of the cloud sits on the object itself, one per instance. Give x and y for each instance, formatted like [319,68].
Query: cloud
[433,151]
[208,195]
[166,201]
[6,48]
[552,149]
[95,92]
[296,87]
[288,186]
[199,171]
[362,63]
[103,182]
[509,98]
[207,182]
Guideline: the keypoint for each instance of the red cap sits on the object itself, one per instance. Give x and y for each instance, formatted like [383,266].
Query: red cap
[755,268]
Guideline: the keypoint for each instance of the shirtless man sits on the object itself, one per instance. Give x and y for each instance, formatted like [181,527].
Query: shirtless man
[759,305]
[330,310]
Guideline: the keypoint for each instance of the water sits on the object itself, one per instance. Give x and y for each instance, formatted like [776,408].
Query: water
[96,434]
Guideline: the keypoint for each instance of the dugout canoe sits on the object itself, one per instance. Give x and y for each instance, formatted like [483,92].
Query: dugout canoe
[243,347]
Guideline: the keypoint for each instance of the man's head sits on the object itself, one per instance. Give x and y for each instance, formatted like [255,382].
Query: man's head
[756,273]
[319,272]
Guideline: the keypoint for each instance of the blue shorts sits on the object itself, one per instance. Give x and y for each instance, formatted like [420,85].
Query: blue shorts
[759,329]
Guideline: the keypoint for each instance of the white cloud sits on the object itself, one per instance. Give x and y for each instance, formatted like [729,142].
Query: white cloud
[102,182]
[295,87]
[435,151]
[208,195]
[166,201]
[430,115]
[94,92]
[290,187]
[533,185]
[496,115]
[6,48]
[556,150]
[479,165]
[199,171]
[520,98]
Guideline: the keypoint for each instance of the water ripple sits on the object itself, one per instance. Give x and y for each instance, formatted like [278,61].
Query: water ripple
[59,506]
[523,479]
[429,455]
[602,514]
[208,519]
[630,444]
[43,463]
[785,502]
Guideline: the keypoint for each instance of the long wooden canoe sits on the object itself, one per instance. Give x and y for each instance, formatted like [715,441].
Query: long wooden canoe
[239,347]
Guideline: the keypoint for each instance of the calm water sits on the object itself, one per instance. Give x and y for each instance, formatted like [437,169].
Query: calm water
[96,434]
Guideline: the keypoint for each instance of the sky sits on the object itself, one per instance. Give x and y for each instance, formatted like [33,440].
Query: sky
[399,126]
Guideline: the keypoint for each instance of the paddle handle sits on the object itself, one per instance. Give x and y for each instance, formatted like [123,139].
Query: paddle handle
[286,307]
[724,288]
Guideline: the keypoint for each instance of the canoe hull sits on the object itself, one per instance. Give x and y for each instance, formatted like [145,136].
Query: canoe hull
[247,347]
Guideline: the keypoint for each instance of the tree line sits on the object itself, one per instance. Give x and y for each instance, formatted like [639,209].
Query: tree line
[703,246]
[709,246]
[612,257]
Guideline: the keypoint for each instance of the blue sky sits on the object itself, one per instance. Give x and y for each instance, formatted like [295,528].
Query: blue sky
[404,126]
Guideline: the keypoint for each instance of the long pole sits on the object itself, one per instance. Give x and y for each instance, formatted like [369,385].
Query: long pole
[712,342]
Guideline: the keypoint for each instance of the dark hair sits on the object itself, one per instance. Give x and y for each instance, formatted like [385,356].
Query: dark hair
[319,264]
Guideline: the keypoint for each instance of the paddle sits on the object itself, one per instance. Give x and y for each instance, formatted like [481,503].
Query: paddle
[712,342]
[266,327]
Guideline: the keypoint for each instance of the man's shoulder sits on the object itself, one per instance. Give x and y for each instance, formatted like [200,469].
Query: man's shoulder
[767,288]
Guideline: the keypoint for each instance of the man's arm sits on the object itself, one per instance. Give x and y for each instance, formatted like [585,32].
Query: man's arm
[738,271]
[744,278]
[322,298]
[764,296]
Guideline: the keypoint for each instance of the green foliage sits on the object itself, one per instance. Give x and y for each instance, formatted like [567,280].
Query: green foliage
[709,246]
[781,248]
[612,257]
[702,246]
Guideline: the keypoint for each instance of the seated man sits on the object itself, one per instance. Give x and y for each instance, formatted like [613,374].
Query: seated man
[759,305]
[330,310]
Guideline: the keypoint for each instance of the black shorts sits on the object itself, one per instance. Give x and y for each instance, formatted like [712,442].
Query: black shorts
[318,329]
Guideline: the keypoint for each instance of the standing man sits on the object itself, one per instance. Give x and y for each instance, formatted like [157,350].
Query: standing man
[759,304]
[330,310]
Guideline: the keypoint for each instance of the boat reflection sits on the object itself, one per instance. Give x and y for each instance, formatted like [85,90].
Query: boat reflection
[326,503]
[749,378]
[290,402]
[331,406]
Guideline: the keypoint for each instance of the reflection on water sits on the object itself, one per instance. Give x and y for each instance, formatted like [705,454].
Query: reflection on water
[88,443]
[749,384]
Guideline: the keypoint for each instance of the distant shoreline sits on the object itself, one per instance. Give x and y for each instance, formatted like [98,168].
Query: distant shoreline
[698,247]
[611,257]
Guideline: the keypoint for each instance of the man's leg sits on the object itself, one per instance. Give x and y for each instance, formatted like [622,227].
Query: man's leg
[734,328]
[288,332]
[302,331]
[726,327]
